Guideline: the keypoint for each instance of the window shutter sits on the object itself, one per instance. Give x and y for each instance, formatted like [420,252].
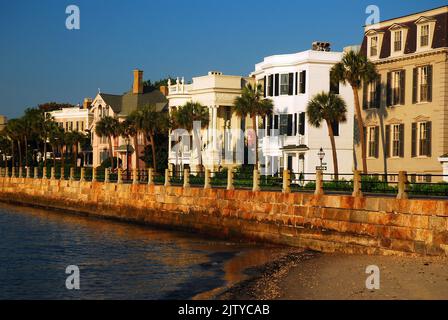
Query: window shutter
[289,129]
[429,83]
[389,89]
[377,140]
[414,140]
[378,93]
[402,87]
[276,121]
[277,84]
[297,83]
[414,85]
[302,123]
[269,124]
[265,87]
[365,103]
[387,144]
[428,138]
[291,84]
[271,85]
[295,123]
[302,81]
[402,140]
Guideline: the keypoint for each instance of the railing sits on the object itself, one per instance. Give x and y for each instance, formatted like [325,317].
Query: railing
[356,184]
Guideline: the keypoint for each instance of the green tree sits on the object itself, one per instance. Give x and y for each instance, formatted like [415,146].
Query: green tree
[130,129]
[354,69]
[185,116]
[14,131]
[251,103]
[330,108]
[108,127]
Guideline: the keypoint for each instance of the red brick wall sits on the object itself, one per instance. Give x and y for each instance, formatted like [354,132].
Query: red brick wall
[326,223]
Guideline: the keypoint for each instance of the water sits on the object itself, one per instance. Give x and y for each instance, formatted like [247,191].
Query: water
[116,260]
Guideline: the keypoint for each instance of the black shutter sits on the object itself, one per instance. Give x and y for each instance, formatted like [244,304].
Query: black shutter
[295,123]
[269,125]
[402,140]
[291,84]
[429,83]
[387,142]
[302,123]
[289,130]
[378,93]
[302,81]
[277,84]
[402,87]
[335,127]
[297,83]
[377,140]
[276,121]
[365,103]
[414,140]
[265,87]
[389,89]
[414,85]
[428,138]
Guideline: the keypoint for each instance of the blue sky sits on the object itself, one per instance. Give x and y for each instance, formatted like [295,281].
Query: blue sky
[42,61]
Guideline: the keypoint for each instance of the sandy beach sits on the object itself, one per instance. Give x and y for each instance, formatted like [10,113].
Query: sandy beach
[306,275]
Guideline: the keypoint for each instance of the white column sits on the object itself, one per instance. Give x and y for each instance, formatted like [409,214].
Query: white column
[215,126]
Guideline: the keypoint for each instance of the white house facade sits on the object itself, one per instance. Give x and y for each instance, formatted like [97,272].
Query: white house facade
[289,142]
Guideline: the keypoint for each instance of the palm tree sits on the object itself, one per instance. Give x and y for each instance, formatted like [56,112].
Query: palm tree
[14,132]
[130,129]
[56,139]
[73,139]
[109,127]
[355,68]
[46,126]
[330,108]
[185,116]
[251,103]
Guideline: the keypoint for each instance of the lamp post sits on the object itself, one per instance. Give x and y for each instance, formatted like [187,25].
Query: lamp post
[321,155]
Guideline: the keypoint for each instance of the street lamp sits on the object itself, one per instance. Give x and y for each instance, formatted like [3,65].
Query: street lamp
[321,155]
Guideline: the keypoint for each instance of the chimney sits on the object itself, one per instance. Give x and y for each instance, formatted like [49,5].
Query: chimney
[138,82]
[321,46]
[87,102]
[164,90]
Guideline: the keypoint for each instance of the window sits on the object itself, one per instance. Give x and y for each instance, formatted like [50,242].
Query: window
[396,88]
[372,94]
[302,123]
[374,46]
[284,84]
[424,35]
[283,124]
[271,85]
[372,141]
[422,84]
[396,140]
[302,82]
[334,86]
[421,139]
[397,40]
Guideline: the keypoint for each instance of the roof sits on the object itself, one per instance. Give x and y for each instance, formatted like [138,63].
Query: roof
[440,38]
[128,102]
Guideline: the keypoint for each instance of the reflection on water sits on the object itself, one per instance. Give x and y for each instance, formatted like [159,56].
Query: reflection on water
[116,260]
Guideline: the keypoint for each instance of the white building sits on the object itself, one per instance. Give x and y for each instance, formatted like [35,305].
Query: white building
[217,92]
[291,80]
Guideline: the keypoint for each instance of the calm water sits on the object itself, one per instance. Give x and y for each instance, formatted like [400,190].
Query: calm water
[116,260]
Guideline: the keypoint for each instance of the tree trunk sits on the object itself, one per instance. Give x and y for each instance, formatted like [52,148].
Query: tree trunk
[254,125]
[360,129]
[45,153]
[63,149]
[13,158]
[20,153]
[111,154]
[26,151]
[333,149]
[137,155]
[153,149]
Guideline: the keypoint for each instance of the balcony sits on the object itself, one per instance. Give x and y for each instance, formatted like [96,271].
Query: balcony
[278,142]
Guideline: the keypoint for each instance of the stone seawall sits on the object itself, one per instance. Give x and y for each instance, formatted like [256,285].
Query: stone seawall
[328,223]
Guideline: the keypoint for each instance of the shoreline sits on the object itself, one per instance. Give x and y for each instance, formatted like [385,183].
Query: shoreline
[263,282]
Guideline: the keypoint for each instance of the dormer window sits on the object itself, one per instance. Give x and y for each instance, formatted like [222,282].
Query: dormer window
[397,40]
[374,46]
[424,35]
